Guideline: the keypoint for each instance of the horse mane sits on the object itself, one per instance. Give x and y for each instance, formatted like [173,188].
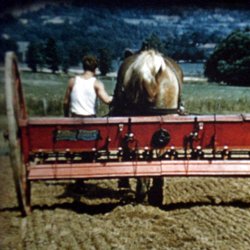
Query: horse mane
[147,81]
[143,72]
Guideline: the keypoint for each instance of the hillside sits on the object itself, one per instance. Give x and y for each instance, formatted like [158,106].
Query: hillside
[190,32]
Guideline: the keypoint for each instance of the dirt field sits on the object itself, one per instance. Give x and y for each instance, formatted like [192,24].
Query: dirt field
[198,213]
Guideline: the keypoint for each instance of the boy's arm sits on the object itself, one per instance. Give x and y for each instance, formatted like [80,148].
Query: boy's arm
[101,92]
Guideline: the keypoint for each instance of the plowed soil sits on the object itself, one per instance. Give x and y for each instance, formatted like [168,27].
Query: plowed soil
[197,213]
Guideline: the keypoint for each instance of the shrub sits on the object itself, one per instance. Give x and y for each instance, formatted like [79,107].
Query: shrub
[230,62]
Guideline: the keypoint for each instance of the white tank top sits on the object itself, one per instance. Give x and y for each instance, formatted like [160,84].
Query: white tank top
[83,96]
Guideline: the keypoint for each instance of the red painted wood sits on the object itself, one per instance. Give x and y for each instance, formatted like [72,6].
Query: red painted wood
[135,169]
[231,131]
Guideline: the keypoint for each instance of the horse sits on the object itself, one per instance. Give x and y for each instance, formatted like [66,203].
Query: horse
[147,83]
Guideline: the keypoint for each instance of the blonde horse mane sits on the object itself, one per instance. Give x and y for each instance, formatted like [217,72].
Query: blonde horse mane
[143,72]
[146,81]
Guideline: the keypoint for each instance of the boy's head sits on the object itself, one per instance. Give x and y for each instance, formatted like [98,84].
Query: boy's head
[89,63]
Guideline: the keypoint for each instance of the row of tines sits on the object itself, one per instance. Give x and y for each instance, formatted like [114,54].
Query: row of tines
[145,154]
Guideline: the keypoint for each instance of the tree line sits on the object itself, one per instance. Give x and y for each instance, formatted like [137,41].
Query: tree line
[53,56]
[230,61]
[50,55]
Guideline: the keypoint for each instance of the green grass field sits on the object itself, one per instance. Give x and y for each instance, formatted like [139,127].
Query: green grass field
[45,92]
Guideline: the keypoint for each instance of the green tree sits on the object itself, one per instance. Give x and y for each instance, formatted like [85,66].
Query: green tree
[6,45]
[35,56]
[105,60]
[40,55]
[31,56]
[65,64]
[51,55]
[74,50]
[154,42]
[230,62]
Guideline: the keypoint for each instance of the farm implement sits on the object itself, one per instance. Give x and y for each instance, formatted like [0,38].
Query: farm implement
[46,148]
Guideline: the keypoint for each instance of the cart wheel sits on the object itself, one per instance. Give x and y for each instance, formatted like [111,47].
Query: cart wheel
[22,185]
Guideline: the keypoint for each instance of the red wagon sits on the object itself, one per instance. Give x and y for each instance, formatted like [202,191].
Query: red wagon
[113,147]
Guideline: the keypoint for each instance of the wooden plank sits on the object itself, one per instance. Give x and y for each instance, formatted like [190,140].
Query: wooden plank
[147,119]
[135,169]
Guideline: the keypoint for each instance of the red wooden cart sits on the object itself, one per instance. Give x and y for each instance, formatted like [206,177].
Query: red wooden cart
[112,147]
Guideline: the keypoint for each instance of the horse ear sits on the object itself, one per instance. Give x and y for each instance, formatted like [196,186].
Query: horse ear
[128,53]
